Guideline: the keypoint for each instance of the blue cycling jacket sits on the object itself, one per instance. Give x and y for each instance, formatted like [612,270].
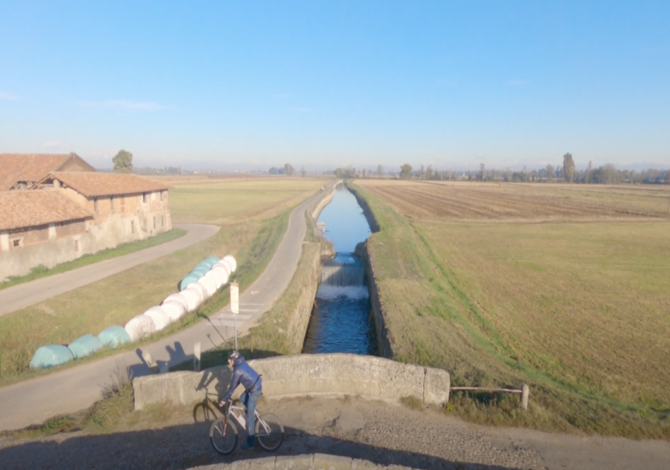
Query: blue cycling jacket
[245,375]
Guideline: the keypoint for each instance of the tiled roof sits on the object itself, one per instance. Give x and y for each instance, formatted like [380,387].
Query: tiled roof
[19,209]
[22,167]
[107,184]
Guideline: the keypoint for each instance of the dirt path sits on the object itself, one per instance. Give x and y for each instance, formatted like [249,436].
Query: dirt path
[375,431]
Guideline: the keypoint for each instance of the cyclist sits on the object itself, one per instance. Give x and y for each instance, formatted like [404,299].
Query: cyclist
[253,386]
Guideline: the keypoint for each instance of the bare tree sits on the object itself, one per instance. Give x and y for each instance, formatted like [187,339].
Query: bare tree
[568,167]
[406,171]
[550,172]
[380,171]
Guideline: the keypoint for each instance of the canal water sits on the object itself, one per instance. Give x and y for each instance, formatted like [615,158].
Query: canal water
[341,320]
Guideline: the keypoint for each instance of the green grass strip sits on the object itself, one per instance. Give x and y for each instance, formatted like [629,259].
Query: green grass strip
[41,271]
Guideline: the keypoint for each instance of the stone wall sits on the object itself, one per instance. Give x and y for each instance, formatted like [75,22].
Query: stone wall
[384,338]
[329,192]
[299,462]
[304,375]
[369,215]
[130,220]
[302,312]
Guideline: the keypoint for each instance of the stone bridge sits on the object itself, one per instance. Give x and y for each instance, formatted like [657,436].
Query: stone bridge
[304,375]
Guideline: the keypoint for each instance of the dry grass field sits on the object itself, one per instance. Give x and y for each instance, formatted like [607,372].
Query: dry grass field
[565,288]
[251,228]
[234,200]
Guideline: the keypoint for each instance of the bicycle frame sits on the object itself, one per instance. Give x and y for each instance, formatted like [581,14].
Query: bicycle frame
[239,412]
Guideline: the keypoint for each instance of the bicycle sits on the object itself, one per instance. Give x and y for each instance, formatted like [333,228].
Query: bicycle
[223,432]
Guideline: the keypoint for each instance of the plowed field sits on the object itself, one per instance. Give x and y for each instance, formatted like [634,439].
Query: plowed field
[523,202]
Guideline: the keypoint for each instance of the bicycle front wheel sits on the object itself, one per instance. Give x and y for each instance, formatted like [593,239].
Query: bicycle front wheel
[223,436]
[269,432]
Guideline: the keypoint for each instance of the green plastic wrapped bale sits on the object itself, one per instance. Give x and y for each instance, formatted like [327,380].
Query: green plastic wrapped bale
[113,336]
[87,344]
[209,262]
[200,271]
[188,280]
[202,266]
[50,356]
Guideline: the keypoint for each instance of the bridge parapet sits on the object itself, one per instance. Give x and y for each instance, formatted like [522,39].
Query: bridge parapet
[304,375]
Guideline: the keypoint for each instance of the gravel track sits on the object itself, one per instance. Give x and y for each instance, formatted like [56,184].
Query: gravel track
[375,431]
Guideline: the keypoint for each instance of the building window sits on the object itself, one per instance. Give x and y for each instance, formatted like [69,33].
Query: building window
[16,243]
[132,227]
[111,203]
[144,198]
[95,206]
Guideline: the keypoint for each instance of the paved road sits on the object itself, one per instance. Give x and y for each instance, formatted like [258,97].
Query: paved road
[30,293]
[77,388]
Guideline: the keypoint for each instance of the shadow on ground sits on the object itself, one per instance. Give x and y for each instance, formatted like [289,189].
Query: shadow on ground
[185,446]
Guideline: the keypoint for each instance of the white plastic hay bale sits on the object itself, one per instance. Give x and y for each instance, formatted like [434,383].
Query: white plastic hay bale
[201,289]
[231,260]
[222,268]
[179,298]
[216,276]
[223,272]
[140,326]
[159,317]
[208,284]
[193,298]
[225,265]
[173,309]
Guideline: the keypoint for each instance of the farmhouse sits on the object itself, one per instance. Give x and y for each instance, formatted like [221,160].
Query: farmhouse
[63,215]
[22,171]
[124,207]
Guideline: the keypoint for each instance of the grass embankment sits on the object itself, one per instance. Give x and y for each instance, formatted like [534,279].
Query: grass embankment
[116,299]
[577,311]
[92,308]
[123,249]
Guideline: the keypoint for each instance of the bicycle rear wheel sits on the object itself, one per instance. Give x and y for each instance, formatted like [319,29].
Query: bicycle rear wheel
[223,436]
[269,432]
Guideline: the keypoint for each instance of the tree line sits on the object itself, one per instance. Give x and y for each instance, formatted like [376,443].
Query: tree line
[562,172]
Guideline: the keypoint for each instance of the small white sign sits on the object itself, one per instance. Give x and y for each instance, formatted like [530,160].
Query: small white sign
[235,298]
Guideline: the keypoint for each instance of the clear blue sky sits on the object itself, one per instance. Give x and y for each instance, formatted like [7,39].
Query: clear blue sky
[325,83]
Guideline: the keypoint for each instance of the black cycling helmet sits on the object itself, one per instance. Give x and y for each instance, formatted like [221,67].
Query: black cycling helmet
[234,354]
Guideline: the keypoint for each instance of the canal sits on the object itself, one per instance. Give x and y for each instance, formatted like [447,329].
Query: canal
[341,320]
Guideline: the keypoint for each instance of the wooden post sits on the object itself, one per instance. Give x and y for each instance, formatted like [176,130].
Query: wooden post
[525,392]
[196,357]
